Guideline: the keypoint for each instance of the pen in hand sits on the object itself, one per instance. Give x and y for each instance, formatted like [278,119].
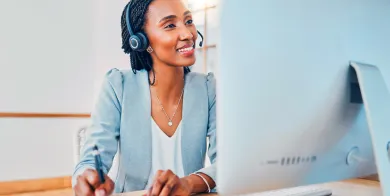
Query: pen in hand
[98,164]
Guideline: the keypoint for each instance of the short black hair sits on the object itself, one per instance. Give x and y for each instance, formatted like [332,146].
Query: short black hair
[138,13]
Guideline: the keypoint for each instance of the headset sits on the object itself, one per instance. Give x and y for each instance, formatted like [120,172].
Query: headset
[139,42]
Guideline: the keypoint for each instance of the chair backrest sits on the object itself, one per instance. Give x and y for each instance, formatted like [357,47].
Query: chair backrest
[78,143]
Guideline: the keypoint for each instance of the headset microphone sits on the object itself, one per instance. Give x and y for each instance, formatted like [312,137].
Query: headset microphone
[201,42]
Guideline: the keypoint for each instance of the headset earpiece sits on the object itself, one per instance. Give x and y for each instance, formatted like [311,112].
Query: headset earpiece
[138,42]
[144,41]
[134,42]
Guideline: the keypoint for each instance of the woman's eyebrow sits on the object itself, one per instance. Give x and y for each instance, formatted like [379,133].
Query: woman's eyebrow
[169,17]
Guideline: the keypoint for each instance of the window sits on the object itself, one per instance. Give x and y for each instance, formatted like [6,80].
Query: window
[205,17]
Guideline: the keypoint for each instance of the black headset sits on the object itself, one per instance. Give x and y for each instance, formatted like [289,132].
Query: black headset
[139,42]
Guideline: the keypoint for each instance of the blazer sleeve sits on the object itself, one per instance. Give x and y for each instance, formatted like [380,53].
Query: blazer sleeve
[211,129]
[105,125]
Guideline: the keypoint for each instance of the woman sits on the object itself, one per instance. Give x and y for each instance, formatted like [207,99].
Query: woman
[159,113]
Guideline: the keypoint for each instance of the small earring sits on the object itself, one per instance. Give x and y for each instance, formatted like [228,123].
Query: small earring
[149,49]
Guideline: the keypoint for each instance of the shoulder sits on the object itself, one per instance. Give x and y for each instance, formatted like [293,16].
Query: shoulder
[118,78]
[196,77]
[207,80]
[115,76]
[115,81]
[211,87]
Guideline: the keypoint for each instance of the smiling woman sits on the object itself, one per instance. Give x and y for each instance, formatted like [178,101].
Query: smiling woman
[160,112]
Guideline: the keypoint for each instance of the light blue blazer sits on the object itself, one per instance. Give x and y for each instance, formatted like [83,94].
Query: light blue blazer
[122,114]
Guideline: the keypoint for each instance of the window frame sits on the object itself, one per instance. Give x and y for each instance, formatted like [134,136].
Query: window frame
[205,45]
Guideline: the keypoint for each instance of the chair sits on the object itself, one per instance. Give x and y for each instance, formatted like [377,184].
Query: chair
[78,143]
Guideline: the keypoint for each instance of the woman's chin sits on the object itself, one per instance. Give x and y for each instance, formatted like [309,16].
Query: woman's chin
[185,63]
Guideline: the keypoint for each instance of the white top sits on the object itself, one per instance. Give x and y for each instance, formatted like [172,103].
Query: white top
[166,152]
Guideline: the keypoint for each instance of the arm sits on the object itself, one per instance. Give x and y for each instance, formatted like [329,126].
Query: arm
[105,126]
[197,185]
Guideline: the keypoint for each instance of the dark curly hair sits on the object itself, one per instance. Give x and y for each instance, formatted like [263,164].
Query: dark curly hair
[138,16]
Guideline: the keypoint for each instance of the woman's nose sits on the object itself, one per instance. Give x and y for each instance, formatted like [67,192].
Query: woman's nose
[185,34]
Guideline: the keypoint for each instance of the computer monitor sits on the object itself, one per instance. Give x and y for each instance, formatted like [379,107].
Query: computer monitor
[285,83]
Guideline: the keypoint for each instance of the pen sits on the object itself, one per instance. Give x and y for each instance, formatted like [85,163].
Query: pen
[98,164]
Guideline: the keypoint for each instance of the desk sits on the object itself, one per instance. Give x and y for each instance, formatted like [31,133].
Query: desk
[355,187]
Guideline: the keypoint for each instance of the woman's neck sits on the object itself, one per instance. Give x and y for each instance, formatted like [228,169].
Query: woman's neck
[169,82]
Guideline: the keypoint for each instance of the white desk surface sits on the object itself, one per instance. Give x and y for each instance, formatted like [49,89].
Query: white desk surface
[355,187]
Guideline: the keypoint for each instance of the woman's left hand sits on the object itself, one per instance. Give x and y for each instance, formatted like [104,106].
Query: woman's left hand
[167,183]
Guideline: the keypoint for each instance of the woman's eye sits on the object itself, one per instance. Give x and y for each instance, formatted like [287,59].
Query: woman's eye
[189,21]
[170,26]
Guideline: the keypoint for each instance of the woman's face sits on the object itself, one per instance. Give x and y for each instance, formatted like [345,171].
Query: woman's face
[171,33]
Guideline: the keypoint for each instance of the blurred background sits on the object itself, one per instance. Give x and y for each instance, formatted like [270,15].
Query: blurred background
[53,57]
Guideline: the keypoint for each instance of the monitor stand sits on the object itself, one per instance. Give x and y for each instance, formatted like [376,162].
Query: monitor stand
[376,99]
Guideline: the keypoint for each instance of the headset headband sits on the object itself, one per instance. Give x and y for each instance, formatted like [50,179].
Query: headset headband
[128,19]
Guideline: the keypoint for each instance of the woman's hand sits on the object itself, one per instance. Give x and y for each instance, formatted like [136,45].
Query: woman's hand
[167,183]
[88,184]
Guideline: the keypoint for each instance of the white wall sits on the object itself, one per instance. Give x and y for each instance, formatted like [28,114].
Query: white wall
[47,55]
[108,40]
[47,61]
[37,148]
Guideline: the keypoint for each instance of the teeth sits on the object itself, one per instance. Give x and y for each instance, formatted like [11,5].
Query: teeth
[185,49]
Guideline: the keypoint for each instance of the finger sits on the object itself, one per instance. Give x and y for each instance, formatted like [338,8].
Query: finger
[92,178]
[156,176]
[108,186]
[168,187]
[160,182]
[100,192]
[149,193]
[83,188]
[156,189]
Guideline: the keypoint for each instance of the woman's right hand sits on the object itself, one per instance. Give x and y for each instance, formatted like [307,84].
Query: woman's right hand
[88,184]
